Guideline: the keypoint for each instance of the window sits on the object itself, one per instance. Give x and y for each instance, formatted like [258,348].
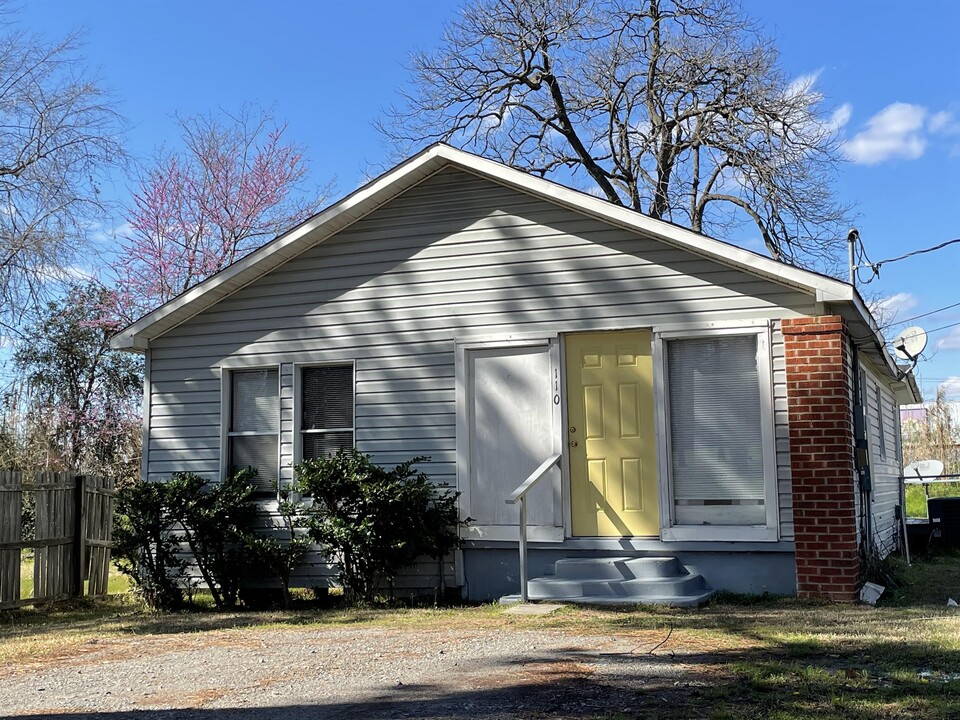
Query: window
[326,410]
[720,459]
[881,430]
[253,433]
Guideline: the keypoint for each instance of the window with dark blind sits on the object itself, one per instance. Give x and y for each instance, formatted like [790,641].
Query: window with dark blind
[716,458]
[326,410]
[253,435]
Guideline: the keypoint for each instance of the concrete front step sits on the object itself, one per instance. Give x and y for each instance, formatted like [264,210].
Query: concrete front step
[547,588]
[619,581]
[617,568]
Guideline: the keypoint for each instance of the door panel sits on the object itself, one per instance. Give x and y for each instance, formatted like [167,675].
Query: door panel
[512,432]
[613,472]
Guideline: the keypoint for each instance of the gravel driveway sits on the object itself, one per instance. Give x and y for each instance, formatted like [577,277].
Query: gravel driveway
[353,673]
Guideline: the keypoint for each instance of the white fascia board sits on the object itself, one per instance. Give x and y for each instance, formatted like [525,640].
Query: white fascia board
[871,325]
[278,251]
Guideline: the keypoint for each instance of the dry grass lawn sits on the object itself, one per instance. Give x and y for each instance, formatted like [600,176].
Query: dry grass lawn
[745,658]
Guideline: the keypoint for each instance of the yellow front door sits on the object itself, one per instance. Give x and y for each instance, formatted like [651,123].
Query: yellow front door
[613,461]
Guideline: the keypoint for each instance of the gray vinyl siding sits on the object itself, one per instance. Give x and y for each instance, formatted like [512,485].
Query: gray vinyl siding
[884,468]
[454,257]
[782,435]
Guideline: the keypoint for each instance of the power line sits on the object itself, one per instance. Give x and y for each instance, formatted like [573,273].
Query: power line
[937,329]
[915,252]
[943,327]
[863,261]
[922,315]
[928,332]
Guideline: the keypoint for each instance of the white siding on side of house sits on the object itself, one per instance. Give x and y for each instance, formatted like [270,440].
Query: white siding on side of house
[453,258]
[884,463]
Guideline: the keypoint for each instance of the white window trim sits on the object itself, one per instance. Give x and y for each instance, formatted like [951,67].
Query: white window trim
[226,410]
[298,368]
[670,532]
[464,433]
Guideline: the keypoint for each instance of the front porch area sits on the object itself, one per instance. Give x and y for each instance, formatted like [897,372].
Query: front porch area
[571,572]
[619,581]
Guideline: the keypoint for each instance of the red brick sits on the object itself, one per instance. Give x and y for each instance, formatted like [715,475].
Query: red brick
[821,451]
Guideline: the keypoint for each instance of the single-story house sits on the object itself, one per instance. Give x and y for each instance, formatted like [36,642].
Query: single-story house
[720,420]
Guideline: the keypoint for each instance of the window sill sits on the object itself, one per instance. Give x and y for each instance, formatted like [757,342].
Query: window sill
[535,533]
[719,533]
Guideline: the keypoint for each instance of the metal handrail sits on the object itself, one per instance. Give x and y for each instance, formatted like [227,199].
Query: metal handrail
[520,496]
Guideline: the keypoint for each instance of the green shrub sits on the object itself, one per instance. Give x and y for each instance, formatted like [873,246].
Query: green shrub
[214,519]
[144,549]
[278,558]
[373,521]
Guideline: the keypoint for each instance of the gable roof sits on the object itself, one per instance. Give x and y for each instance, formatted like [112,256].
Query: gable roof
[435,158]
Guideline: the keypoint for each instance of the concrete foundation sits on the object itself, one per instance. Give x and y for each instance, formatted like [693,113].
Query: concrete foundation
[492,572]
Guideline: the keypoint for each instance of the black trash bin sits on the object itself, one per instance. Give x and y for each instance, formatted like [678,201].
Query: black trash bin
[944,514]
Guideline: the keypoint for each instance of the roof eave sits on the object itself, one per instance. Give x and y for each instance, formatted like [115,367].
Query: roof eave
[364,200]
[137,335]
[870,339]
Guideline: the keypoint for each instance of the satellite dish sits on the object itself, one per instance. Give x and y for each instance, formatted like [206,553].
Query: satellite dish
[910,343]
[927,469]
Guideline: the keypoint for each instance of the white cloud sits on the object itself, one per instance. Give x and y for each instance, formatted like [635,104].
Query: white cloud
[887,309]
[942,122]
[840,117]
[803,84]
[894,132]
[950,341]
[66,274]
[950,387]
[495,119]
[103,235]
[946,125]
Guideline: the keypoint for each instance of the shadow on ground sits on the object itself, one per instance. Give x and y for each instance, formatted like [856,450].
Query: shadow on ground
[573,684]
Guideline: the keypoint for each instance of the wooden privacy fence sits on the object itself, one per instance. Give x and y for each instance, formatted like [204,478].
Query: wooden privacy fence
[70,539]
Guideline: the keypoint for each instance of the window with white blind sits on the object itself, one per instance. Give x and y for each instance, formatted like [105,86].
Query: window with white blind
[720,457]
[326,410]
[254,426]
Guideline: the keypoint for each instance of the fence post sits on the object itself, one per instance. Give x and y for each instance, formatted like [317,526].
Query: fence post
[79,535]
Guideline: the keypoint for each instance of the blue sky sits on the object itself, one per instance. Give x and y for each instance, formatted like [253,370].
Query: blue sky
[328,68]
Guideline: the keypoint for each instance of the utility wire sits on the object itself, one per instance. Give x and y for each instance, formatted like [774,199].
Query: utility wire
[863,261]
[915,252]
[937,329]
[943,327]
[865,341]
[922,315]
[875,266]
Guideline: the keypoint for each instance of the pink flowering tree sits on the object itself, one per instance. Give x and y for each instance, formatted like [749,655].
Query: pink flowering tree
[236,184]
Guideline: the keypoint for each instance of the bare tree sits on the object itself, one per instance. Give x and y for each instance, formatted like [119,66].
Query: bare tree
[58,134]
[675,108]
[934,436]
